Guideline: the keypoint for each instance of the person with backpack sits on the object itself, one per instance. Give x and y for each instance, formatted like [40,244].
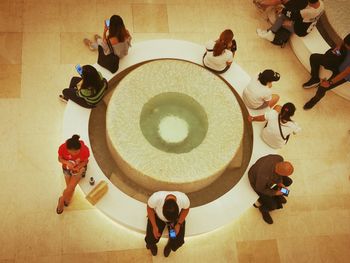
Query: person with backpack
[300,22]
[279,125]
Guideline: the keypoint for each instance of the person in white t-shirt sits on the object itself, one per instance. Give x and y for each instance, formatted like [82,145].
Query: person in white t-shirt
[219,54]
[166,209]
[279,125]
[300,22]
[258,95]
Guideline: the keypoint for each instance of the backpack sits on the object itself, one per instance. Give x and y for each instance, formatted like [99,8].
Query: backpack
[281,37]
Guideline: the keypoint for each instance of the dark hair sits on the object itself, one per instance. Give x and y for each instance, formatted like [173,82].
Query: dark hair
[221,44]
[268,75]
[287,111]
[117,28]
[171,210]
[73,143]
[91,79]
[313,1]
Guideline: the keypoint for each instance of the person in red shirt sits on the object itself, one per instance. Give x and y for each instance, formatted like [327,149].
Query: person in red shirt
[74,157]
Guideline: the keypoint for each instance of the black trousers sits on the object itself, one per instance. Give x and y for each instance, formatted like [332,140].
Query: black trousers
[273,202]
[321,92]
[71,93]
[173,243]
[329,60]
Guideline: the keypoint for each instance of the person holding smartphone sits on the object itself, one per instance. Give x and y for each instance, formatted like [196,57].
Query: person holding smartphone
[74,157]
[115,32]
[269,177]
[86,90]
[166,209]
[335,59]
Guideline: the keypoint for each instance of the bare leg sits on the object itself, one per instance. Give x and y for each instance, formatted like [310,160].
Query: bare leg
[273,100]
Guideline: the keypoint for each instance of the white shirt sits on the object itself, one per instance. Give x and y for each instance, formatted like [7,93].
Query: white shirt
[311,15]
[219,62]
[271,133]
[157,199]
[255,94]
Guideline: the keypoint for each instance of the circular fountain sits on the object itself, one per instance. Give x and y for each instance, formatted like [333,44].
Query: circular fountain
[171,125]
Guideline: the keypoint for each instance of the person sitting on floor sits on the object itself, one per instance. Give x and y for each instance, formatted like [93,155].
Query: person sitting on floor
[219,54]
[86,90]
[258,95]
[338,61]
[279,125]
[300,22]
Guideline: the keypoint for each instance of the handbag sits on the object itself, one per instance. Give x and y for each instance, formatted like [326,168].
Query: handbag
[279,126]
[110,61]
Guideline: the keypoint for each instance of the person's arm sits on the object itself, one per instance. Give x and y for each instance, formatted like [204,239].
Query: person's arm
[327,83]
[105,29]
[152,218]
[181,220]
[256,118]
[65,162]
[80,165]
[261,187]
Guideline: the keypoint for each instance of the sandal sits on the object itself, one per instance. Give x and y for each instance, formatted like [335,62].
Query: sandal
[58,211]
[88,43]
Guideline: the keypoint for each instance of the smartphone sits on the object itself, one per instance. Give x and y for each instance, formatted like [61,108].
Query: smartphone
[107,22]
[285,191]
[172,233]
[79,69]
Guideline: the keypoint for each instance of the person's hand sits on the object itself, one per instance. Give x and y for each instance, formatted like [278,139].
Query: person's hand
[177,228]
[156,233]
[70,165]
[105,29]
[280,185]
[325,84]
[250,118]
[279,193]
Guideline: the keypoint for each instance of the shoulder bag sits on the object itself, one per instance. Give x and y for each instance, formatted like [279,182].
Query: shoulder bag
[110,61]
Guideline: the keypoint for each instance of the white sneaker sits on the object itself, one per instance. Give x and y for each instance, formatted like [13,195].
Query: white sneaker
[266,34]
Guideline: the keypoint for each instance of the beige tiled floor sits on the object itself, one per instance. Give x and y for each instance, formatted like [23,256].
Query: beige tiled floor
[41,41]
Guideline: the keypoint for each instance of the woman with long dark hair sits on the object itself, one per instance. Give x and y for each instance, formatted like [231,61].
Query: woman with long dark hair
[118,36]
[219,54]
[86,90]
[74,157]
[279,125]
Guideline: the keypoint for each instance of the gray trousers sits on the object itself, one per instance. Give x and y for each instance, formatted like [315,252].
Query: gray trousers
[279,23]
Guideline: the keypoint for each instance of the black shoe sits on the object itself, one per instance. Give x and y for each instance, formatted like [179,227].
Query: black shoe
[266,216]
[167,251]
[153,248]
[308,106]
[311,83]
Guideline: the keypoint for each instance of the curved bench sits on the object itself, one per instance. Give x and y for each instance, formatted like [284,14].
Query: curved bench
[303,47]
[132,213]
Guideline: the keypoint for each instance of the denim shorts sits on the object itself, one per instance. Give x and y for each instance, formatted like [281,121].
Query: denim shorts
[70,172]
